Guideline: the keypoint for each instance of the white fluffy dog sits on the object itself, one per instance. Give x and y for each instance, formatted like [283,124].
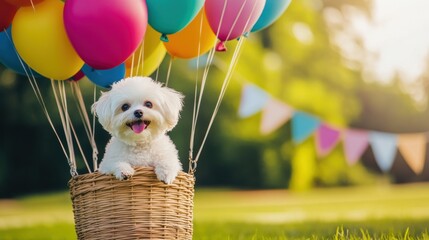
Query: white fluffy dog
[138,112]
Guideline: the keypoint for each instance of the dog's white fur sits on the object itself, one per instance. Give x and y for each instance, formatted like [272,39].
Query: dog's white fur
[151,147]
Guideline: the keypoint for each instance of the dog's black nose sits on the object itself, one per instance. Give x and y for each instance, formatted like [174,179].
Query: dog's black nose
[138,113]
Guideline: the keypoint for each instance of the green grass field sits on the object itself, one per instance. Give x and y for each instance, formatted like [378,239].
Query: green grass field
[388,212]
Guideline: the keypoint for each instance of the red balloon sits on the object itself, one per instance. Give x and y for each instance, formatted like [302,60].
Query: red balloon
[105,33]
[7,11]
[78,76]
[23,3]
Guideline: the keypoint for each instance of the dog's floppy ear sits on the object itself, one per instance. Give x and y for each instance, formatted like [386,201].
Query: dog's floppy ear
[172,105]
[103,110]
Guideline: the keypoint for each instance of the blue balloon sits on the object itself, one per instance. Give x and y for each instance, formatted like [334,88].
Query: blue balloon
[273,9]
[104,78]
[171,16]
[9,56]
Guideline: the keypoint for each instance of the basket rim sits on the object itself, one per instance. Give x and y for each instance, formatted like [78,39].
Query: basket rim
[91,179]
[138,169]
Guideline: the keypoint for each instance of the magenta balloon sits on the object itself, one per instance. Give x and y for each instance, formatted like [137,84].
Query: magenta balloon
[238,16]
[105,33]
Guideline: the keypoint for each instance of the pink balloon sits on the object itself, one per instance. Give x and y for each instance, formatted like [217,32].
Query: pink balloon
[105,33]
[232,18]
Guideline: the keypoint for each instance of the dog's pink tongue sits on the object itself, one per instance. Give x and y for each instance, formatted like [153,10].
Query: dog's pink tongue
[138,127]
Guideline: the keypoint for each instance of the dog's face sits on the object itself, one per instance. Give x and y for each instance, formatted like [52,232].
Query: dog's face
[138,109]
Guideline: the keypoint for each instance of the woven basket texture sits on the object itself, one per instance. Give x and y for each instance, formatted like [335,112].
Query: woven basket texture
[139,208]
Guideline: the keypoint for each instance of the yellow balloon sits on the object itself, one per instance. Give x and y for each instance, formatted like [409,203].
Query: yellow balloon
[185,44]
[148,60]
[41,40]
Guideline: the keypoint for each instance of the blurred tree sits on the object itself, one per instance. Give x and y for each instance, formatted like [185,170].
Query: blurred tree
[297,60]
[31,158]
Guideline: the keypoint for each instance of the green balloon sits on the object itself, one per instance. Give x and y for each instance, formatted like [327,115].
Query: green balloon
[171,16]
[273,9]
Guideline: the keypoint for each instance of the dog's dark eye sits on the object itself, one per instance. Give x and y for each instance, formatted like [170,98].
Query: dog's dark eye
[148,104]
[125,107]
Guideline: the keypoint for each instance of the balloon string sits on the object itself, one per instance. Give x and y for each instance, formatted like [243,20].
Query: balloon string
[70,128]
[192,138]
[92,139]
[132,65]
[66,126]
[36,89]
[169,70]
[32,5]
[220,47]
[33,83]
[157,74]
[222,94]
[78,101]
[70,156]
[204,80]
[223,66]
[246,34]
[192,161]
[207,68]
[77,93]
[140,59]
[236,19]
[220,23]
[209,61]
[41,101]
[94,152]
[70,123]
[71,160]
[199,41]
[196,114]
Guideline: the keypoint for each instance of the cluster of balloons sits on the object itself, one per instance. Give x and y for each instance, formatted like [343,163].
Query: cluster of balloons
[105,40]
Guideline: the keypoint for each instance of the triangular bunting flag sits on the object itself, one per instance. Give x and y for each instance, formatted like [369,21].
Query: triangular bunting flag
[274,115]
[413,149]
[355,143]
[384,148]
[326,139]
[253,99]
[303,125]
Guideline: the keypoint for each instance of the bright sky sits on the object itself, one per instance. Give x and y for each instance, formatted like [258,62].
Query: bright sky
[400,34]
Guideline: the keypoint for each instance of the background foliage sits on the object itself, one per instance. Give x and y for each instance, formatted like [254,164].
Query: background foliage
[296,60]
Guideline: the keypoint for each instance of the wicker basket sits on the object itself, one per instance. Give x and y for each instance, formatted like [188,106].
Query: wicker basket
[139,208]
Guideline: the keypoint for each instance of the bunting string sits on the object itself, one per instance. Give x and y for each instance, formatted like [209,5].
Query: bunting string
[384,145]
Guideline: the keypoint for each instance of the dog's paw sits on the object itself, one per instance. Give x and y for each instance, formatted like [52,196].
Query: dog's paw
[165,176]
[124,172]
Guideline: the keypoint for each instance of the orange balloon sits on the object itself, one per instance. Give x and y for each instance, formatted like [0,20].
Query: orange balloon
[23,3]
[151,57]
[185,44]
